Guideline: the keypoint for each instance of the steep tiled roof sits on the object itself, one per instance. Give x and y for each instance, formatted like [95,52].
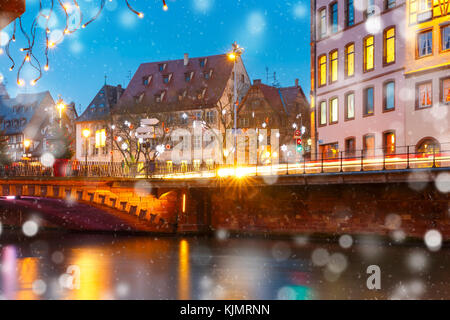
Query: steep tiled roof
[281,99]
[21,108]
[199,83]
[100,106]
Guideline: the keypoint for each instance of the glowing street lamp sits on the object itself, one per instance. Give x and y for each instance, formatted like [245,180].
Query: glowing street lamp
[86,134]
[236,52]
[60,106]
[26,145]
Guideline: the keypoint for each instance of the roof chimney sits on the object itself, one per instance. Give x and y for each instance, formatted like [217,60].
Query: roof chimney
[186,59]
[296,82]
[257,81]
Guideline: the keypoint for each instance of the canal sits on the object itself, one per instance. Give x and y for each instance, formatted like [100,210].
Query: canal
[62,265]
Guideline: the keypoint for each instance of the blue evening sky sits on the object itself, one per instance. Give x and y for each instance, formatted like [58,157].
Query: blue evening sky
[274,33]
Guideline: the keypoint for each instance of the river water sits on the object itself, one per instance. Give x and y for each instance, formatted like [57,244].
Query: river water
[61,265]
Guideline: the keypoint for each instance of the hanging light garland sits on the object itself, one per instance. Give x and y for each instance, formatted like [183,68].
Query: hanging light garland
[30,37]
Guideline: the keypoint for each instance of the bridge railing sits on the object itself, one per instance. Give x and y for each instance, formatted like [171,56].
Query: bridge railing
[327,162]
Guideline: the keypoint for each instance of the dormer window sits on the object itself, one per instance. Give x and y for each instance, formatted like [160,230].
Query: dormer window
[139,98]
[162,67]
[167,78]
[159,97]
[182,95]
[146,80]
[188,76]
[203,62]
[207,75]
[201,94]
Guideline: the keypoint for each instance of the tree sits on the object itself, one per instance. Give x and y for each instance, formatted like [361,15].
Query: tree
[133,149]
[61,143]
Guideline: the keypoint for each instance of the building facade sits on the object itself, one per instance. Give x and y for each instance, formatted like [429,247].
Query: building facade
[282,109]
[97,119]
[358,50]
[33,117]
[189,93]
[427,73]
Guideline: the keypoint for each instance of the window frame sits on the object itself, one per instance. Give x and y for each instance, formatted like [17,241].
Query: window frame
[385,47]
[346,151]
[346,117]
[347,11]
[418,84]
[320,113]
[330,75]
[385,84]
[346,54]
[320,70]
[330,113]
[365,90]
[441,38]
[331,23]
[365,53]
[386,5]
[364,144]
[384,135]
[322,34]
[423,31]
[441,90]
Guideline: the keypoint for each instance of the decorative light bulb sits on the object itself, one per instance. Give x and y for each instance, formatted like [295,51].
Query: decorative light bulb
[46,67]
[140,15]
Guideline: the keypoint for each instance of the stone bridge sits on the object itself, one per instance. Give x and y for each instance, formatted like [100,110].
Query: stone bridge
[354,203]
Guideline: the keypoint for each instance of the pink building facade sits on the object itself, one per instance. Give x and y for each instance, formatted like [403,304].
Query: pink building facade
[358,50]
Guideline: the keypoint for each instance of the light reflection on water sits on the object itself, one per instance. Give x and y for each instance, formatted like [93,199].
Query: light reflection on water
[126,267]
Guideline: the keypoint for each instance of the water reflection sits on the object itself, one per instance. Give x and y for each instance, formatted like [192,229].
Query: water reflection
[126,267]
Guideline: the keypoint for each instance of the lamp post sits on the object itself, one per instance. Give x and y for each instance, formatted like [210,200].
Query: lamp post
[26,146]
[60,106]
[236,52]
[86,134]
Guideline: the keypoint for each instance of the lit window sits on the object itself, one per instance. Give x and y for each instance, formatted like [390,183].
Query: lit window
[368,101]
[369,53]
[350,60]
[425,43]
[350,13]
[322,23]
[322,70]
[389,45]
[445,38]
[445,90]
[334,17]
[333,66]
[389,96]
[424,95]
[350,106]
[389,142]
[100,138]
[323,113]
[334,110]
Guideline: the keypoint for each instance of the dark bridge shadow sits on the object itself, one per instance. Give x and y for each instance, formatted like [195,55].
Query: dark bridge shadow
[73,215]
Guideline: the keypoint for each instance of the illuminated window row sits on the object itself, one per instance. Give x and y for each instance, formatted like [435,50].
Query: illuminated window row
[330,25]
[329,112]
[349,58]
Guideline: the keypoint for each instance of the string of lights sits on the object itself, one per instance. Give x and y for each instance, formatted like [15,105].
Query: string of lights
[30,37]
